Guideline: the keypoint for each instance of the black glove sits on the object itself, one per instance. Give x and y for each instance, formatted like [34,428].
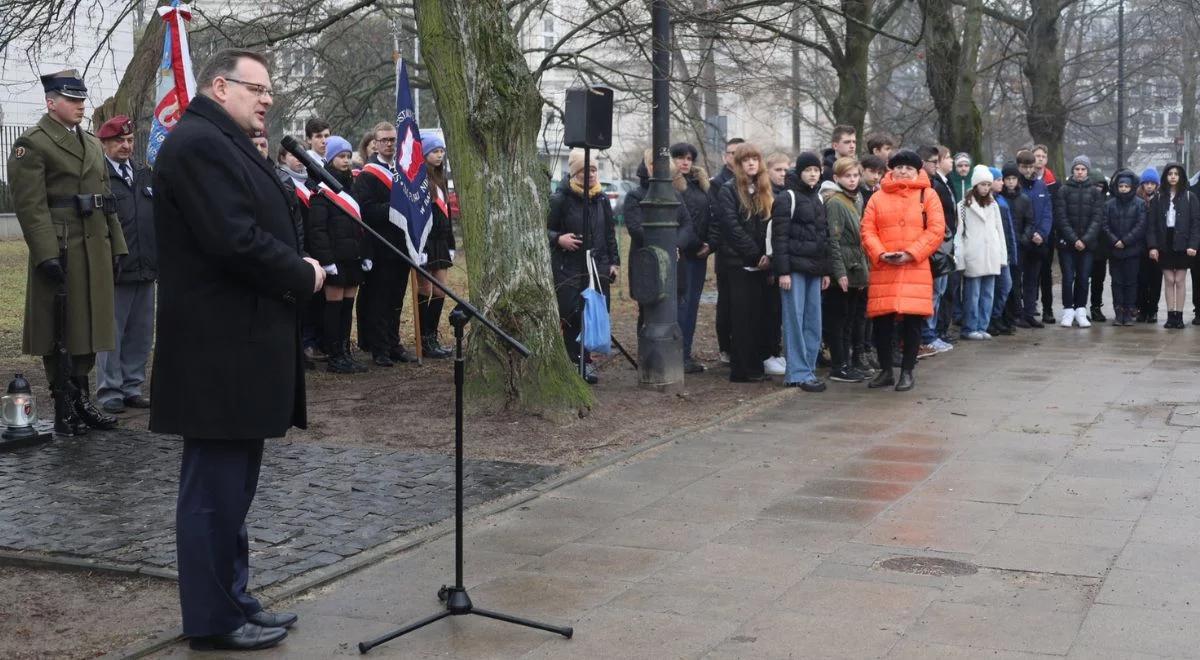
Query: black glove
[52,270]
[116,266]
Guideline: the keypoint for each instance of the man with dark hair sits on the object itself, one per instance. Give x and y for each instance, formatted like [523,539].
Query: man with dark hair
[881,145]
[873,169]
[316,132]
[844,145]
[69,221]
[382,296]
[715,239]
[227,370]
[931,160]
[1041,199]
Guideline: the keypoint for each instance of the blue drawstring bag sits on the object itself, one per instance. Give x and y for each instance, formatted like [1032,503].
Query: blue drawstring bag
[596,336]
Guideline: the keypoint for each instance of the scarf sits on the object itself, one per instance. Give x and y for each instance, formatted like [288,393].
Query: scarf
[577,188]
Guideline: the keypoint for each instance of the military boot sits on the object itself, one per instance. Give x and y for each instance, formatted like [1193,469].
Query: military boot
[88,412]
[68,424]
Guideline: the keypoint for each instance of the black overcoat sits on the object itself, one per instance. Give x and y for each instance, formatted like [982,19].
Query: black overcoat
[232,278]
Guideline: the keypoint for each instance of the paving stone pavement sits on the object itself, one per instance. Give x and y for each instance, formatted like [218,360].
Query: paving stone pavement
[112,497]
[1058,471]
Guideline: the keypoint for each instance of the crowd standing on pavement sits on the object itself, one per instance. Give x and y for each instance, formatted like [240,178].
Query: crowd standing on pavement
[863,265]
[826,263]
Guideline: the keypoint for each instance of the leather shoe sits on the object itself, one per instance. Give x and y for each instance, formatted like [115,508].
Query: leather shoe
[906,381]
[249,637]
[398,354]
[884,378]
[273,619]
[113,406]
[382,360]
[137,401]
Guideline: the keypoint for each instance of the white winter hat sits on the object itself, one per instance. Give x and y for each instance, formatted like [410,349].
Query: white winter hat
[981,174]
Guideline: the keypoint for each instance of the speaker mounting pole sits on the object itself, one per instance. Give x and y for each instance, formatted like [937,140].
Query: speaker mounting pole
[660,342]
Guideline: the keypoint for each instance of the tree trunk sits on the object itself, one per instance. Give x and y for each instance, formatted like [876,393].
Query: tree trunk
[490,110]
[850,104]
[1189,123]
[951,67]
[1045,113]
[135,93]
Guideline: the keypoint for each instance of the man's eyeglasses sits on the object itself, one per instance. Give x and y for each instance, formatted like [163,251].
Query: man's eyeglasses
[255,88]
[390,140]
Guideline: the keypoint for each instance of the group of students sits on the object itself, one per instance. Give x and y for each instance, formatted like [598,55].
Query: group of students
[869,263]
[357,268]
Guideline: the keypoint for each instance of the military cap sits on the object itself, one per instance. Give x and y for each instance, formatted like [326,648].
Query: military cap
[67,83]
[118,126]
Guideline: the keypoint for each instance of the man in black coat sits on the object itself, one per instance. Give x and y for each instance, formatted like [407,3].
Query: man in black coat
[228,370]
[121,371]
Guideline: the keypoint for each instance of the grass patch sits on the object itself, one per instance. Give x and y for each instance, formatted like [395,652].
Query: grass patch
[14,257]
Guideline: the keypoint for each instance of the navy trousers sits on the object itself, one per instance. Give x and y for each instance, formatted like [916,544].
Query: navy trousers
[216,486]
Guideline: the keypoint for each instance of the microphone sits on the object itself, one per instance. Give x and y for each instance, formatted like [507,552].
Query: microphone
[315,170]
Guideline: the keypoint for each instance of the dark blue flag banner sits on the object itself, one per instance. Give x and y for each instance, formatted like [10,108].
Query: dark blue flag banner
[412,210]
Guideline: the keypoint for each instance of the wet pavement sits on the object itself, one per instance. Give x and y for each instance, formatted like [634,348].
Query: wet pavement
[1033,497]
[111,497]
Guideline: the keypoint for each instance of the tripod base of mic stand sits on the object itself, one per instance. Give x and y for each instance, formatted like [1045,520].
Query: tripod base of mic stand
[459,603]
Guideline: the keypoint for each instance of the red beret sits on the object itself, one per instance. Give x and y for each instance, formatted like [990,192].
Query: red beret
[116,127]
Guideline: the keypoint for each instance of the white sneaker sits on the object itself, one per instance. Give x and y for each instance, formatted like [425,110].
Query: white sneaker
[774,366]
[1068,318]
[1081,318]
[985,334]
[941,346]
[724,357]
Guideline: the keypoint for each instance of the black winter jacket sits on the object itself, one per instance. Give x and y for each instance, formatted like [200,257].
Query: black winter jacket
[566,217]
[949,206]
[714,236]
[685,236]
[1125,221]
[800,240]
[743,238]
[1083,207]
[1022,217]
[333,236]
[374,199]
[698,204]
[135,210]
[1187,222]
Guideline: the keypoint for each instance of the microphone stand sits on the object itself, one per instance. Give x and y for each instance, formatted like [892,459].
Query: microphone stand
[457,601]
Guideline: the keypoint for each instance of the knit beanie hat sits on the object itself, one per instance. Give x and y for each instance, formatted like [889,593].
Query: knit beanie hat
[1010,169]
[806,160]
[962,156]
[1082,160]
[996,174]
[431,142]
[981,174]
[1150,175]
[905,157]
[335,145]
[575,162]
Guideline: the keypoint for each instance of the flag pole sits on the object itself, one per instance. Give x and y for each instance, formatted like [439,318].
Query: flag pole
[416,306]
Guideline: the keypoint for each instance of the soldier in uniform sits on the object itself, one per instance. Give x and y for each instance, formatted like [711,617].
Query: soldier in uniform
[69,220]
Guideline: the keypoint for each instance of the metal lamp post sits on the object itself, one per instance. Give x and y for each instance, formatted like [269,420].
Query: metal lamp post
[660,342]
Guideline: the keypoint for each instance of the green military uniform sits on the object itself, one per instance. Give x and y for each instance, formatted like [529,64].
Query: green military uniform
[49,161]
[48,167]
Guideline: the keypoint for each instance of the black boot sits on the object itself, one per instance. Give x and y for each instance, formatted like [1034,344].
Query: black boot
[430,314]
[68,424]
[906,381]
[347,321]
[87,411]
[1098,315]
[885,378]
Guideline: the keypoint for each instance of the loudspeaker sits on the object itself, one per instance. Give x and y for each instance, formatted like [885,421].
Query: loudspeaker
[588,118]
